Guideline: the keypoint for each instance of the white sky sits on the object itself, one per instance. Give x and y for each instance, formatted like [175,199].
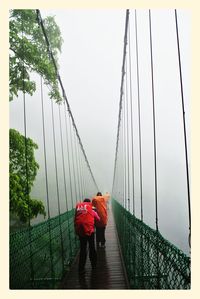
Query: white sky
[90,67]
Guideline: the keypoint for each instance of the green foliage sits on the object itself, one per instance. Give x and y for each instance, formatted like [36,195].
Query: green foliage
[28,52]
[23,170]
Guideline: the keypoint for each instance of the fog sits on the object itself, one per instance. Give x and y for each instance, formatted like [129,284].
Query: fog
[90,68]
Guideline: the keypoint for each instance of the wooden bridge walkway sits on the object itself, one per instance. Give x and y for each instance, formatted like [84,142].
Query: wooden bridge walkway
[110,272]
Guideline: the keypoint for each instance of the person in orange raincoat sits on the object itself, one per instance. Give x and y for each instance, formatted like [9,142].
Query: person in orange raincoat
[99,202]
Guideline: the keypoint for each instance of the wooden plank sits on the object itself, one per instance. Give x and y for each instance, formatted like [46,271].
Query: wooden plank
[109,273]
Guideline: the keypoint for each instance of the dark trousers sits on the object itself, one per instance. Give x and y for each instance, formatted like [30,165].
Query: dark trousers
[83,251]
[100,235]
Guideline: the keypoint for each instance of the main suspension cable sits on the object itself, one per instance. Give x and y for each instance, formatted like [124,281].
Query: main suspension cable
[121,95]
[40,22]
[184,125]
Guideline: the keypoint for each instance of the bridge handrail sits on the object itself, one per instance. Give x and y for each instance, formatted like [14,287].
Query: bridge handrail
[30,249]
[151,261]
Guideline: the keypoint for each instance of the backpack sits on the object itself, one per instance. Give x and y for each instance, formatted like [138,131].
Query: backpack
[84,219]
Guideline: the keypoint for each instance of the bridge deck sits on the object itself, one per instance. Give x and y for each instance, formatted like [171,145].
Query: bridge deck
[109,273]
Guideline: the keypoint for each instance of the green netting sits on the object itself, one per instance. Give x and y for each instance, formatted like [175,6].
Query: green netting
[151,261]
[41,254]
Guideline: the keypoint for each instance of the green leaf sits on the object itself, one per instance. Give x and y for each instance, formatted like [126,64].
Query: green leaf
[22,177]
[29,53]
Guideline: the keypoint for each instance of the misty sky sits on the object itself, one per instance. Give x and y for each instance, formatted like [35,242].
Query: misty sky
[90,68]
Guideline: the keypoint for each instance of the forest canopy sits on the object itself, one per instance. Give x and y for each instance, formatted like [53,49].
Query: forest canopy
[29,52]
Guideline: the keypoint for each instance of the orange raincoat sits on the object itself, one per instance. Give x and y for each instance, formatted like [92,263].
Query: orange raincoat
[99,202]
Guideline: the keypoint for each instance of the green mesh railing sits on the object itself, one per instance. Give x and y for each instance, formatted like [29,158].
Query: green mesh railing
[41,254]
[151,261]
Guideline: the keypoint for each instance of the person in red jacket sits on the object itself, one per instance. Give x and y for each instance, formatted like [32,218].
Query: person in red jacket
[99,202]
[84,228]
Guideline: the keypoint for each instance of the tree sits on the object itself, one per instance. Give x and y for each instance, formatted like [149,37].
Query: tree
[29,53]
[23,170]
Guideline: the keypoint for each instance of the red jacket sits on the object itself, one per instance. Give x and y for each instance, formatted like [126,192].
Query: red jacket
[84,219]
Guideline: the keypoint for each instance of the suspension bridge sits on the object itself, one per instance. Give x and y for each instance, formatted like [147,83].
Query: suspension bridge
[44,252]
